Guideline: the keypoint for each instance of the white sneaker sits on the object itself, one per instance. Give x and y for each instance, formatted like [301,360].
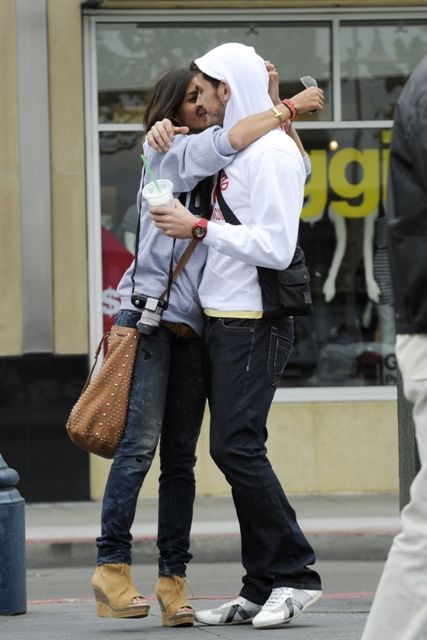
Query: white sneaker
[238,611]
[284,605]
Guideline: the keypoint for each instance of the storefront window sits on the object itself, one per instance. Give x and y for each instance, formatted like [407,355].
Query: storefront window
[131,56]
[376,60]
[120,175]
[349,338]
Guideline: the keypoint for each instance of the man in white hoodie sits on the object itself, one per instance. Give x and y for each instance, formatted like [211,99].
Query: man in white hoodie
[264,187]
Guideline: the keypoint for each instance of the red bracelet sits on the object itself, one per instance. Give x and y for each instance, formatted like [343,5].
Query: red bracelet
[292,109]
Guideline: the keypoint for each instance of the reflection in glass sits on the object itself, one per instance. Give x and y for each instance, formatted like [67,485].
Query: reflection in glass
[131,56]
[120,166]
[349,338]
[376,60]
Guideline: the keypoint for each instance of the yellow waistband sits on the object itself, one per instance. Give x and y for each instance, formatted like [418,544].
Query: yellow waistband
[214,313]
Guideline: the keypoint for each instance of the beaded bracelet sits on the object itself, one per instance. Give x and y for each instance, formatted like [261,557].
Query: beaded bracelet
[285,126]
[292,109]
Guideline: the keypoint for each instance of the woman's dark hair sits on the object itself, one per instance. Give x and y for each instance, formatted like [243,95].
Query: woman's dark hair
[166,96]
[163,102]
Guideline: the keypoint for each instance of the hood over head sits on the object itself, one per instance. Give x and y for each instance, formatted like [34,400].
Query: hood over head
[244,70]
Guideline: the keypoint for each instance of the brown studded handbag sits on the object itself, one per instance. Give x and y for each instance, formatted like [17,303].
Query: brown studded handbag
[98,419]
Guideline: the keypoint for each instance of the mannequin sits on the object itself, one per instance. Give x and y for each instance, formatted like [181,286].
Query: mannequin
[329,287]
[323,238]
[381,275]
[339,323]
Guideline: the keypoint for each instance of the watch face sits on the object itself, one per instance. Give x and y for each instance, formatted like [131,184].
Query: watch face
[199,231]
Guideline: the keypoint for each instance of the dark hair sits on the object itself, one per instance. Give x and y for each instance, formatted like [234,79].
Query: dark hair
[166,96]
[164,100]
[214,82]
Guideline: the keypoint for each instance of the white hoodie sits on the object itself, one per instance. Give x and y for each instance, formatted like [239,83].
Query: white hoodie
[263,185]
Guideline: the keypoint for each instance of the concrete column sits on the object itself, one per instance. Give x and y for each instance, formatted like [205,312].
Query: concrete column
[35,171]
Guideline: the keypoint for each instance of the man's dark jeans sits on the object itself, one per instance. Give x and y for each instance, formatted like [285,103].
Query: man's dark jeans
[245,361]
[167,401]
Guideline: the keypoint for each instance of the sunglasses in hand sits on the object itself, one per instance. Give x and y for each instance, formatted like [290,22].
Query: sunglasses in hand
[308,81]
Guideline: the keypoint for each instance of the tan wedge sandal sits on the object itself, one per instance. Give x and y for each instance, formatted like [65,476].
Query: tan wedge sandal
[114,591]
[176,611]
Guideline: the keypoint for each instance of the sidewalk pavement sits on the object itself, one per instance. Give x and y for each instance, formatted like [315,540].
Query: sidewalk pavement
[339,527]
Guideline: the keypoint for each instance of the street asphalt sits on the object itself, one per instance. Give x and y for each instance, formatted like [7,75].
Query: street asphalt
[61,606]
[351,535]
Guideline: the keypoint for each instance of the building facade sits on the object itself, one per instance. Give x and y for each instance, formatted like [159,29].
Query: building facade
[75,77]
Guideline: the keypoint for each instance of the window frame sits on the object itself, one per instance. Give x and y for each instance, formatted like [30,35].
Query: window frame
[227,16]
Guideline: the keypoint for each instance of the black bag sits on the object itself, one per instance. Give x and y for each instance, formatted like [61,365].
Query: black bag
[284,293]
[287,292]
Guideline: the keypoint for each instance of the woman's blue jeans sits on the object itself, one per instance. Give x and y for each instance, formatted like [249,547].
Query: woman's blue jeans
[245,361]
[167,402]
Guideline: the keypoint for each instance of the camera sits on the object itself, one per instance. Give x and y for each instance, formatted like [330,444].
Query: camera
[152,310]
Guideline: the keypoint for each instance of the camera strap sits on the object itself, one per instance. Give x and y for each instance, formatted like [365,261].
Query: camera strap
[166,293]
[180,265]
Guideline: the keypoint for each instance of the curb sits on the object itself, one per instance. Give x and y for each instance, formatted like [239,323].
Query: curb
[352,545]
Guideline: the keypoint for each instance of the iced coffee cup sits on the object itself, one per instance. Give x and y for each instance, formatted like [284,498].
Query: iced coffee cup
[159,193]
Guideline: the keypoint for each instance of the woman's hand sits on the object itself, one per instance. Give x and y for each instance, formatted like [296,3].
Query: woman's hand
[310,99]
[161,133]
[175,222]
[273,82]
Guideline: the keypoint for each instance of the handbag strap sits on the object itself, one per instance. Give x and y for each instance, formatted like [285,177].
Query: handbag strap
[179,267]
[98,351]
[181,263]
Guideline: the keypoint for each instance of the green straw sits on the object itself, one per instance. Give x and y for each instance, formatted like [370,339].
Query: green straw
[144,160]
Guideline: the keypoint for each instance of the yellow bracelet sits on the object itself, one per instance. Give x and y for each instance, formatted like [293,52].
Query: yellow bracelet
[277,114]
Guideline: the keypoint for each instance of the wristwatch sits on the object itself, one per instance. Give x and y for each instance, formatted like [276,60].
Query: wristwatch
[200,229]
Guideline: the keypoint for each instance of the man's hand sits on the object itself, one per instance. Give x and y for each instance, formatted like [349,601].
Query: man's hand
[176,222]
[310,99]
[160,135]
